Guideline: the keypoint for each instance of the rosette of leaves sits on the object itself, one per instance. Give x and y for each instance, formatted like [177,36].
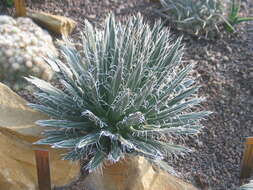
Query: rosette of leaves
[234,18]
[121,95]
[198,17]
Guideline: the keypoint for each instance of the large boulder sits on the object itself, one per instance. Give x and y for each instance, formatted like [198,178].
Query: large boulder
[134,173]
[17,132]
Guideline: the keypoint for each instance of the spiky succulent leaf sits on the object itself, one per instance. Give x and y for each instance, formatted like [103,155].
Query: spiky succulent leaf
[194,16]
[248,186]
[120,94]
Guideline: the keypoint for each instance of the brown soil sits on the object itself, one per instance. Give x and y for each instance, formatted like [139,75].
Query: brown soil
[224,68]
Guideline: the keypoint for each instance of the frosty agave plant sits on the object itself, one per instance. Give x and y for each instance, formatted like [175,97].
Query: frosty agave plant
[122,93]
[197,17]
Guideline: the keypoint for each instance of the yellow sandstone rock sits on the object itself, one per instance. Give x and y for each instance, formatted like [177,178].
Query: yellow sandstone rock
[134,173]
[17,160]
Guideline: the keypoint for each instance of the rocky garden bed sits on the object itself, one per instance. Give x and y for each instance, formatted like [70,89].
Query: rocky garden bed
[224,69]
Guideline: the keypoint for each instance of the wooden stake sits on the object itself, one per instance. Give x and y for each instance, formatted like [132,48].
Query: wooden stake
[58,24]
[43,169]
[20,8]
[247,161]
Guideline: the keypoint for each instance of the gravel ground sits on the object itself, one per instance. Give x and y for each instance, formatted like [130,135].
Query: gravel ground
[225,71]
[224,68]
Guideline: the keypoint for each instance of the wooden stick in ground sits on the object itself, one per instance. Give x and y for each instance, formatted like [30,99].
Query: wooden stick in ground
[247,162]
[20,8]
[43,169]
[58,24]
